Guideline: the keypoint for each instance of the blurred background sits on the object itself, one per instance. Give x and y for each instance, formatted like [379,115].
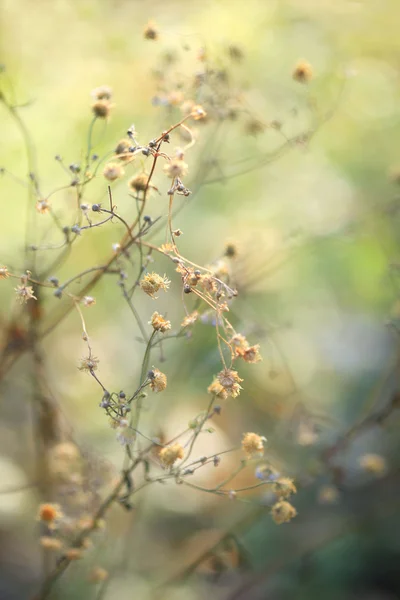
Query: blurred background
[301,174]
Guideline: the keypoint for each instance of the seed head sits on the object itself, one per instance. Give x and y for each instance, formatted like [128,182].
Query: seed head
[303,72]
[101,108]
[90,363]
[229,380]
[151,31]
[169,455]
[283,512]
[122,149]
[113,171]
[152,282]
[139,183]
[252,445]
[159,323]
[103,92]
[176,168]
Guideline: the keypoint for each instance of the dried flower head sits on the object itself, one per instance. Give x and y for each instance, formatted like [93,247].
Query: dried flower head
[190,319]
[253,444]
[169,455]
[122,149]
[97,575]
[159,323]
[65,451]
[50,543]
[175,98]
[113,171]
[284,487]
[4,273]
[152,282]
[139,183]
[103,92]
[88,301]
[229,379]
[208,283]
[42,206]
[73,554]
[216,389]
[328,494]
[24,293]
[158,380]
[198,112]
[302,72]
[49,513]
[283,512]
[373,463]
[101,109]
[151,31]
[251,354]
[254,127]
[176,168]
[89,363]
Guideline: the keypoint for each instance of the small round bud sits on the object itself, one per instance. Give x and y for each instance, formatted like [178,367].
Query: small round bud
[96,207]
[187,289]
[54,281]
[58,293]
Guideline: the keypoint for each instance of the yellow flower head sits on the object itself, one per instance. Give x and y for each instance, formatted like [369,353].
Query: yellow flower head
[283,512]
[152,282]
[159,323]
[170,454]
[253,444]
[284,487]
[373,463]
[50,543]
